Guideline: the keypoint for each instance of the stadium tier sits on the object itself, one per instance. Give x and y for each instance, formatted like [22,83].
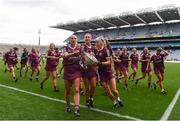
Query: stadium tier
[146,28]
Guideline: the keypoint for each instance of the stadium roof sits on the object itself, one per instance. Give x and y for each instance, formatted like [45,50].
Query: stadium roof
[143,16]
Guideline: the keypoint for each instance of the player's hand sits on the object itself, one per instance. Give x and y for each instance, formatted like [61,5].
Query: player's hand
[99,63]
[76,52]
[46,56]
[160,48]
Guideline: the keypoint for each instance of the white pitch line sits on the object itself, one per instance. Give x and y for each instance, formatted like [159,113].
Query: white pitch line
[62,101]
[169,109]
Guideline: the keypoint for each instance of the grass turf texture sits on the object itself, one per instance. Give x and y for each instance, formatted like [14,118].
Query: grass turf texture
[139,101]
[175,115]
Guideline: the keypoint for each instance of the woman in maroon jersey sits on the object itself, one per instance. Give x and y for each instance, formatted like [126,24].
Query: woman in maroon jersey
[158,63]
[117,65]
[106,73]
[34,62]
[89,74]
[72,73]
[124,59]
[52,62]
[134,63]
[11,60]
[145,67]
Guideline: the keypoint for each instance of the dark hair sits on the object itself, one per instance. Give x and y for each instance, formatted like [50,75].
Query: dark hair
[15,48]
[56,48]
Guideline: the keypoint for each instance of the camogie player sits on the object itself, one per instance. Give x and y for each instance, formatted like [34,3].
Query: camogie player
[72,73]
[118,64]
[24,62]
[106,73]
[11,60]
[124,60]
[158,63]
[34,62]
[89,74]
[117,68]
[145,67]
[52,62]
[134,63]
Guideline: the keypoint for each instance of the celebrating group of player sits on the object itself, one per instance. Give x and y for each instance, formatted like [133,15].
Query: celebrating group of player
[75,72]
[122,60]
[27,59]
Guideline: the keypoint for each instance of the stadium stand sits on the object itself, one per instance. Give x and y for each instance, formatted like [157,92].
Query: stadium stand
[146,28]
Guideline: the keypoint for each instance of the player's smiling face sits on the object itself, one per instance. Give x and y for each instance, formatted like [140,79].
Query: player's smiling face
[124,50]
[145,50]
[33,50]
[87,39]
[73,40]
[51,46]
[99,44]
[25,50]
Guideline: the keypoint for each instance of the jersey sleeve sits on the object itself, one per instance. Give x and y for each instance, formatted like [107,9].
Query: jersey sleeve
[131,56]
[152,58]
[162,55]
[65,50]
[16,55]
[142,56]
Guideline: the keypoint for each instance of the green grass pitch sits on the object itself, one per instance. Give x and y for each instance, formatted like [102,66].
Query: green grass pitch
[139,101]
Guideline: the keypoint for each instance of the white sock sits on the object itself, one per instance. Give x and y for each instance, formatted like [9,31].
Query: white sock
[114,102]
[118,99]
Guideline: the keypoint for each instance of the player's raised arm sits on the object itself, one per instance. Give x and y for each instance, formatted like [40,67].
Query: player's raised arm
[165,52]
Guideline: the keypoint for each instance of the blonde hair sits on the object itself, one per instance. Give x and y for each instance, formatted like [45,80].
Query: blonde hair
[101,40]
[134,50]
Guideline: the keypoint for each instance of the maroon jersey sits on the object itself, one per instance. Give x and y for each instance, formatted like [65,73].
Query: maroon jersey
[117,65]
[144,64]
[72,69]
[34,59]
[105,71]
[74,59]
[102,56]
[124,57]
[88,49]
[53,62]
[11,58]
[116,54]
[158,61]
[134,59]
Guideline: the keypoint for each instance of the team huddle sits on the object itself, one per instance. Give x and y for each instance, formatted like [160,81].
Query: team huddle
[77,71]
